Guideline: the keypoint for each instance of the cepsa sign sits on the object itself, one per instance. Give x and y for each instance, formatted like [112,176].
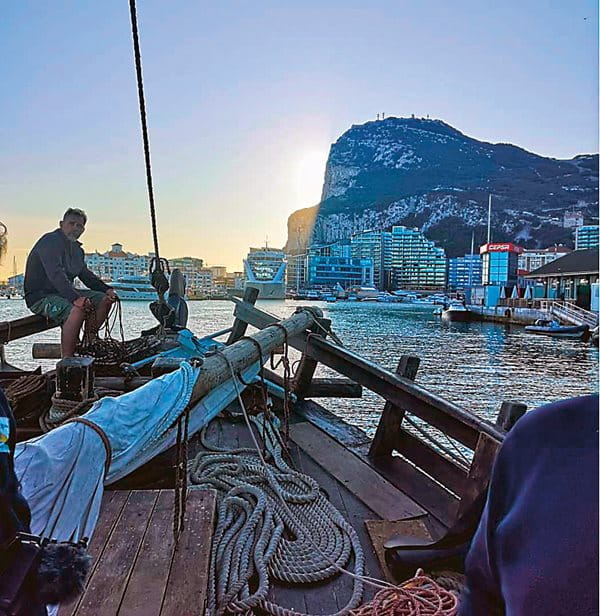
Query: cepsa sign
[506,247]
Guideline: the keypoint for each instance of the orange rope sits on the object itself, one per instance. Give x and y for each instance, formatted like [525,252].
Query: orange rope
[419,596]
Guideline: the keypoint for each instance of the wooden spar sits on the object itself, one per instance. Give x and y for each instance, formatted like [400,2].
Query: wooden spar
[46,350]
[216,368]
[453,420]
[322,387]
[20,328]
[119,383]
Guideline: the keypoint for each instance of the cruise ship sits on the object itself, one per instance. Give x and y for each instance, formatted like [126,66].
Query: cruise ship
[265,270]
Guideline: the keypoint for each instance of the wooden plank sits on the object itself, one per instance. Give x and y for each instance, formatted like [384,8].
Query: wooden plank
[418,486]
[308,365]
[372,489]
[432,462]
[334,595]
[239,327]
[148,580]
[322,387]
[188,578]
[25,326]
[480,471]
[103,594]
[332,424]
[390,421]
[333,388]
[111,508]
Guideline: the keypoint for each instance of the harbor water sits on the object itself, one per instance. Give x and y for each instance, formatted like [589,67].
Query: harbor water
[476,365]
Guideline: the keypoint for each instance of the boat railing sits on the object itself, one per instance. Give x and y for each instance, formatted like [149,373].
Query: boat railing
[444,484]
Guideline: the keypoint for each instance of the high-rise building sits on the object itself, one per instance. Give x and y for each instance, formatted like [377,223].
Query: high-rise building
[464,272]
[416,262]
[586,237]
[375,245]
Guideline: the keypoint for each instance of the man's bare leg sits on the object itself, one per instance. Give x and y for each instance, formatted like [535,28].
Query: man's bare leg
[70,331]
[102,311]
[96,319]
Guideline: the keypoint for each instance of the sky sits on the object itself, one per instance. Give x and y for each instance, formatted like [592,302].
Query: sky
[245,98]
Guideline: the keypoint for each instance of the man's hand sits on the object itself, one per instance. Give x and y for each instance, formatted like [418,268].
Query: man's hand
[82,302]
[112,295]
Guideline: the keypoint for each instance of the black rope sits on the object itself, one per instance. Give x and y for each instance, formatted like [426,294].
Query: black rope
[140,85]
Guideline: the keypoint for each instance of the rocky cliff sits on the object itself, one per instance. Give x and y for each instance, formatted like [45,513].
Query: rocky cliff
[424,173]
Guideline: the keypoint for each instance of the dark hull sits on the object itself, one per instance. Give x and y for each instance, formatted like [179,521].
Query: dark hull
[461,316]
[573,333]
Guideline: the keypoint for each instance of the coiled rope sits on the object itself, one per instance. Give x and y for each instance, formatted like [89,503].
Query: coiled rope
[419,596]
[270,519]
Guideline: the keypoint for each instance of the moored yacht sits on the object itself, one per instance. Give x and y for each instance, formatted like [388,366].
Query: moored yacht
[134,288]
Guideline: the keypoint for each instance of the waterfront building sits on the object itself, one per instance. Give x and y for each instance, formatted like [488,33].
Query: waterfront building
[573,277]
[586,237]
[265,270]
[464,272]
[375,245]
[330,271]
[416,262]
[198,280]
[15,283]
[296,271]
[117,263]
[530,260]
[500,264]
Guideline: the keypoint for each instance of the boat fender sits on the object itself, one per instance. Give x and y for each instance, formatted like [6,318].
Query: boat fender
[507,313]
[177,283]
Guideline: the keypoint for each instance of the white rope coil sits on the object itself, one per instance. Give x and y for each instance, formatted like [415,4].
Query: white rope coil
[272,522]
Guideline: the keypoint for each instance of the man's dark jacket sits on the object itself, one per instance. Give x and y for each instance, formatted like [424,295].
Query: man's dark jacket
[535,552]
[52,265]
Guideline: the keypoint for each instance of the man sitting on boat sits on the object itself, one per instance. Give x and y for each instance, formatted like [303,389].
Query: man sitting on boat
[53,263]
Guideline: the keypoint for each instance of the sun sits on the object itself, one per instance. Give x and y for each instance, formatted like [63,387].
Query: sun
[309,174]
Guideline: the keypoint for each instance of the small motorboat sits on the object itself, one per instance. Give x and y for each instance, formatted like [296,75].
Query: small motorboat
[456,311]
[547,327]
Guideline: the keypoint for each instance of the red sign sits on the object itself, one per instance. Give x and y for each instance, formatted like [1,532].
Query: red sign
[506,247]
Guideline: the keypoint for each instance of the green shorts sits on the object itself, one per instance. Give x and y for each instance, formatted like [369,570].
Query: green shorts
[58,309]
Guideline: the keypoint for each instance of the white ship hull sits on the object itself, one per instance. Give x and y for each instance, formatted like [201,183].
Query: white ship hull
[268,290]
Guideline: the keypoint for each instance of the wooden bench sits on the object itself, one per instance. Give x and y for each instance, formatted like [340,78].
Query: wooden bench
[137,570]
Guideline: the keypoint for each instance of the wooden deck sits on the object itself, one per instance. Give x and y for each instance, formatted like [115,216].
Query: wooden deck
[136,569]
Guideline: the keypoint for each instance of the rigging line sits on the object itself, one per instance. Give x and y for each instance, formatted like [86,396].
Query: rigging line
[140,85]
